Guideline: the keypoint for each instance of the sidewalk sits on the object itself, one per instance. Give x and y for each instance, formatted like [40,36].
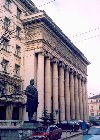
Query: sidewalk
[67,134]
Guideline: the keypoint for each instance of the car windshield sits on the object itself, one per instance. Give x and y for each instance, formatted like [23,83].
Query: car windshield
[94,131]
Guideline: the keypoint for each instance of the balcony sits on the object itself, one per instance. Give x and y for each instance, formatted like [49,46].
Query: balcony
[15,98]
[3,72]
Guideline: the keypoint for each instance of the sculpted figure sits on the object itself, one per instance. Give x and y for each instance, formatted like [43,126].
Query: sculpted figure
[32,99]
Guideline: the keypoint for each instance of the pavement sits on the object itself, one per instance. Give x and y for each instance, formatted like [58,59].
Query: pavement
[67,134]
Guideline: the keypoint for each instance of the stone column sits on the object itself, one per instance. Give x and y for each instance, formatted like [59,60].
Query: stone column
[72,100]
[84,101]
[61,92]
[9,110]
[80,97]
[20,113]
[86,97]
[67,94]
[55,88]
[77,117]
[47,84]
[35,68]
[40,85]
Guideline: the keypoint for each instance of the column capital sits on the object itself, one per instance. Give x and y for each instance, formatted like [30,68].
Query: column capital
[55,60]
[79,76]
[40,51]
[61,64]
[83,79]
[67,68]
[71,71]
[48,56]
[75,73]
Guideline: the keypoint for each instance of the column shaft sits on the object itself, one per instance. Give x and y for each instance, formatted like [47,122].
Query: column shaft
[72,100]
[40,85]
[86,98]
[47,85]
[80,98]
[77,117]
[84,101]
[61,93]
[55,90]
[9,110]
[67,95]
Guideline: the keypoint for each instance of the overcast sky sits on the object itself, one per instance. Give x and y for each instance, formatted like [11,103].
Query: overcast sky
[80,21]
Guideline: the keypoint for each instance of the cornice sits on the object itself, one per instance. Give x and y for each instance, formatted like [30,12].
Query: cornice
[30,5]
[43,17]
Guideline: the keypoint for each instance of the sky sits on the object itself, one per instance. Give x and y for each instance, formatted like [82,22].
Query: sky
[80,21]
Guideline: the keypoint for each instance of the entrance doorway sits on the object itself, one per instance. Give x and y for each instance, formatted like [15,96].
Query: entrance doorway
[2,113]
[15,113]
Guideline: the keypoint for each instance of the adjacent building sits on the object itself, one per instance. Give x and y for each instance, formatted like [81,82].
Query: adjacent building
[32,46]
[94,105]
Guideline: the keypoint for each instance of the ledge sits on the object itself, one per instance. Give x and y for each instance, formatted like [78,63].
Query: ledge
[43,17]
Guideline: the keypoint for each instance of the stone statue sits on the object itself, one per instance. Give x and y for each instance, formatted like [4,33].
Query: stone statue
[32,100]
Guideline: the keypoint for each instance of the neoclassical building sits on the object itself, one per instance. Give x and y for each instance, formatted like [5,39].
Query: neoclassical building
[38,49]
[94,105]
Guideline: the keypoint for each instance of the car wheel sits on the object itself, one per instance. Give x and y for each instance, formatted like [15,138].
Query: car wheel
[48,138]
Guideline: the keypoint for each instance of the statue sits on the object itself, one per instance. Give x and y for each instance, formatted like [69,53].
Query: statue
[32,100]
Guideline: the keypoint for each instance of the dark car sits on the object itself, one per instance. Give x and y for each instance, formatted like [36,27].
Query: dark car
[42,133]
[80,123]
[68,125]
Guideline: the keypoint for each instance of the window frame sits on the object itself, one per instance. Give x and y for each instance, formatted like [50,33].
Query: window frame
[18,31]
[18,51]
[5,44]
[8,4]
[6,23]
[5,65]
[19,12]
[17,70]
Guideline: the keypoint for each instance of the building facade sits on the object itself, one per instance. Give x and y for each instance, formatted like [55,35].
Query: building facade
[94,105]
[33,47]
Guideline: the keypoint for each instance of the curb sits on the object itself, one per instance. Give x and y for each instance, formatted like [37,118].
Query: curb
[72,136]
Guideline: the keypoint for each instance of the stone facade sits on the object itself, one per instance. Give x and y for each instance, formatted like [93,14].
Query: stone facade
[94,105]
[51,59]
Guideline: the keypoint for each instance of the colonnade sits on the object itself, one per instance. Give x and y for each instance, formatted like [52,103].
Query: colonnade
[61,90]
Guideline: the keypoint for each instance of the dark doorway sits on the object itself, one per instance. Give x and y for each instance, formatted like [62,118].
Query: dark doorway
[2,113]
[15,113]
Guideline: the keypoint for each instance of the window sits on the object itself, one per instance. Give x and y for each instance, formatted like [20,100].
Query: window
[92,114]
[5,44]
[6,23]
[17,70]
[18,30]
[18,13]
[17,52]
[5,65]
[7,4]
[92,108]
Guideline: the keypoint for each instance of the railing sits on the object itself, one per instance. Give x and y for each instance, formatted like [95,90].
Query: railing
[16,130]
[13,98]
[10,123]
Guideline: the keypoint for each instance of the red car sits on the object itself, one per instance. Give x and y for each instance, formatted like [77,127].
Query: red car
[50,133]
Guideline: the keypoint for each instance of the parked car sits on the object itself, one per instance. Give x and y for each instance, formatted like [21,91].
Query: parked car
[92,134]
[80,123]
[50,133]
[68,125]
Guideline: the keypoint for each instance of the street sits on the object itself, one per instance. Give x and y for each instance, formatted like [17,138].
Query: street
[71,136]
[79,137]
